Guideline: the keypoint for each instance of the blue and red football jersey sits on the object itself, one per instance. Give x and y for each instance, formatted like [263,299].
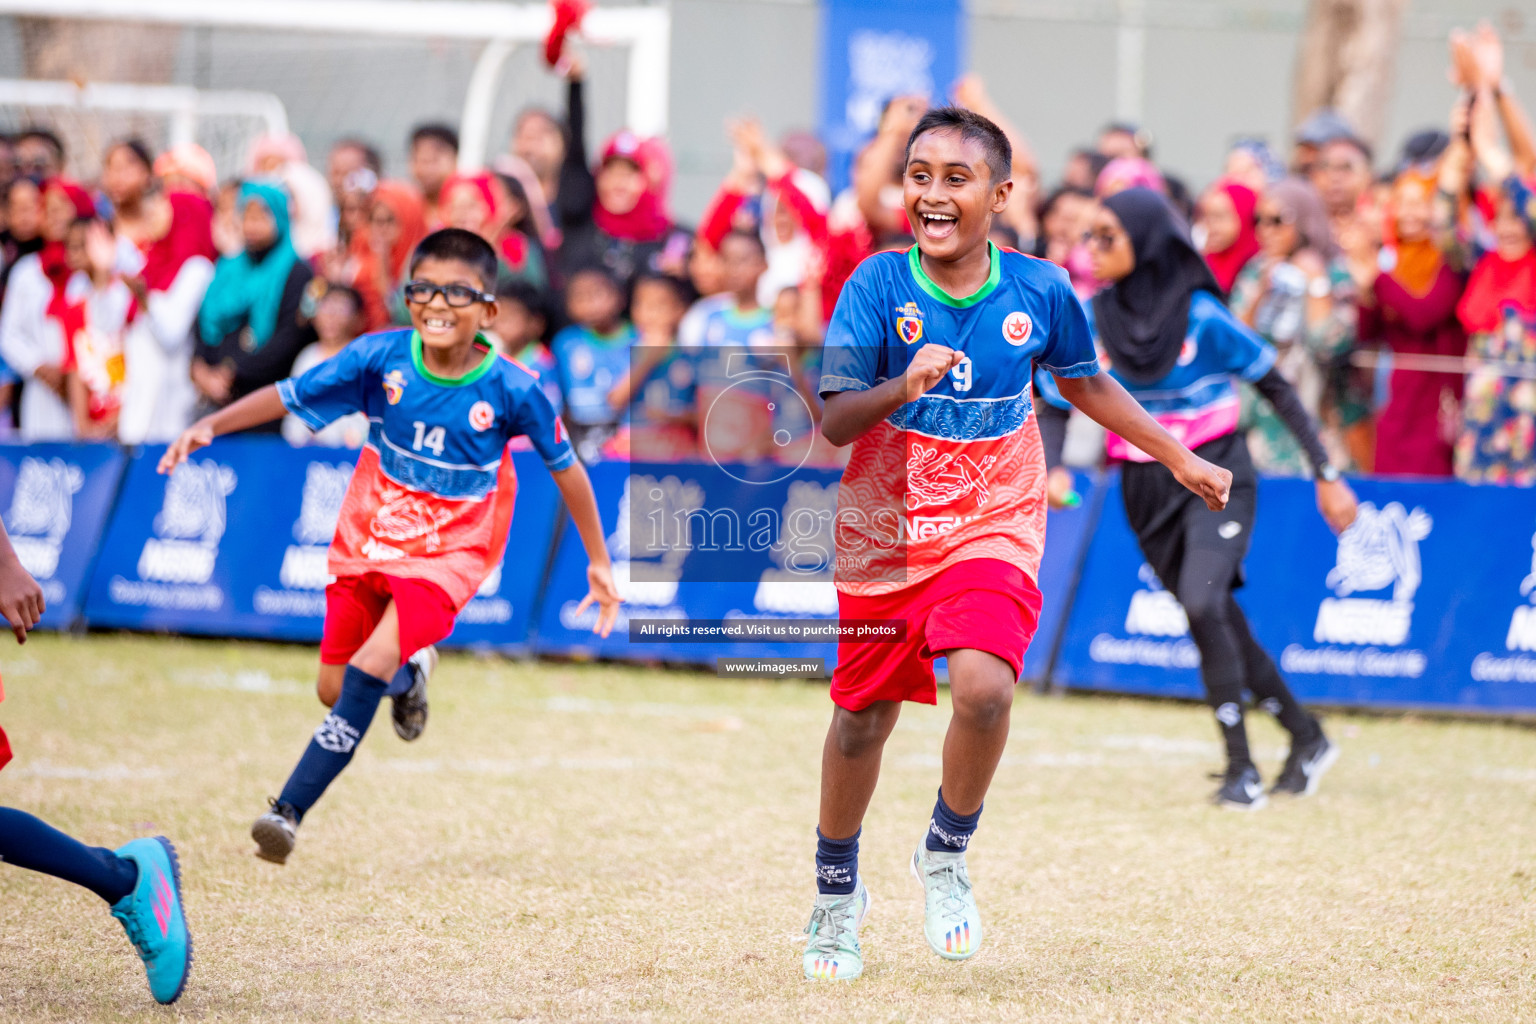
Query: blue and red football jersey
[1196,401]
[964,462]
[432,494]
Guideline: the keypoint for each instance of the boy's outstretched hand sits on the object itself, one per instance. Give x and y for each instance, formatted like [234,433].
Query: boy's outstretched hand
[198,435]
[1212,483]
[21,599]
[601,589]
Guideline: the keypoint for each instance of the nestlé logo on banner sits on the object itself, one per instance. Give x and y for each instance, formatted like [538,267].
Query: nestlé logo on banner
[176,564]
[1379,556]
[1518,666]
[1157,631]
[660,508]
[303,573]
[42,510]
[800,583]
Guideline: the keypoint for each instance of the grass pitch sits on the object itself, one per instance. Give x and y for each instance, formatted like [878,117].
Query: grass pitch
[591,843]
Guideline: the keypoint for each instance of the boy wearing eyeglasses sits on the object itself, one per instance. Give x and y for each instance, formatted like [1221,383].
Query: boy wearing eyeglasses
[426,516]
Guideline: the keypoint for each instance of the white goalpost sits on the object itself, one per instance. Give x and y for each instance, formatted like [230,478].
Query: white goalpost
[644,31]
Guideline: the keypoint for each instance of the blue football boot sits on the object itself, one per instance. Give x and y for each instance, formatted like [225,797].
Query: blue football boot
[152,916]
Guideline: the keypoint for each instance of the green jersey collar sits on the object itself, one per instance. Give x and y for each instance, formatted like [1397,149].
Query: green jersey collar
[453,382]
[915,262]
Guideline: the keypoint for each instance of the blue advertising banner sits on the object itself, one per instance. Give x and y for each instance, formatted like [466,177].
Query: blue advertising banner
[501,616]
[717,547]
[57,499]
[1066,534]
[234,543]
[873,51]
[1393,613]
[739,552]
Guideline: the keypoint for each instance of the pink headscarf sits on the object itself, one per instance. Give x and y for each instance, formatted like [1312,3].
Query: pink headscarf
[1125,172]
[286,148]
[191,161]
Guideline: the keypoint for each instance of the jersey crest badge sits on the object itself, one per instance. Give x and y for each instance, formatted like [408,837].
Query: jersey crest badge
[481,416]
[394,386]
[910,328]
[1017,327]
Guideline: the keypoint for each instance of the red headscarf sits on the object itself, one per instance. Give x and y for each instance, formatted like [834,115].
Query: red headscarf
[648,221]
[70,316]
[1228,262]
[511,246]
[190,234]
[1494,284]
[52,252]
[405,202]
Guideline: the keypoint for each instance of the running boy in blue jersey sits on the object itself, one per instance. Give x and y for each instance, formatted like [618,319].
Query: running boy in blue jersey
[926,372]
[425,518]
[141,880]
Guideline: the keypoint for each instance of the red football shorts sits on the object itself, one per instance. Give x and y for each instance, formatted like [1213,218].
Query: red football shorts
[355,604]
[982,604]
[5,744]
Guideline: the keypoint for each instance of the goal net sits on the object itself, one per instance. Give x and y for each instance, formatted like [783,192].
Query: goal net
[224,73]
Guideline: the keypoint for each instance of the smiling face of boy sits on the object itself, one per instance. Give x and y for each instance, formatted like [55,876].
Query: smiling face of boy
[444,328]
[950,194]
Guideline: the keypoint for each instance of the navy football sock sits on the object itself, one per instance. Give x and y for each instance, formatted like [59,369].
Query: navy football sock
[30,842]
[403,679]
[837,863]
[330,749]
[950,832]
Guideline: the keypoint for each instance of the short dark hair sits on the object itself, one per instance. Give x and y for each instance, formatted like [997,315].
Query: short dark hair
[371,159]
[525,294]
[345,291]
[971,127]
[457,244]
[45,136]
[437,132]
[139,150]
[600,272]
[681,290]
[750,237]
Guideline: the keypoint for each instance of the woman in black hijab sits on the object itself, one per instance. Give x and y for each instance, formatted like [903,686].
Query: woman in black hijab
[1179,352]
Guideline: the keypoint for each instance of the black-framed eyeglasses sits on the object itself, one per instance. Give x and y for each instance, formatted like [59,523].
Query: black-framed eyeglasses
[1278,220]
[1100,239]
[456,295]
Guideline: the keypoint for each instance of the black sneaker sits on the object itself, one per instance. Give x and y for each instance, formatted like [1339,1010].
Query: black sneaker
[409,710]
[1241,790]
[1305,766]
[275,832]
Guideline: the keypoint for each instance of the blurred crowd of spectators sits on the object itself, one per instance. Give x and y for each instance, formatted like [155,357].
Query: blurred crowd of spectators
[1400,291]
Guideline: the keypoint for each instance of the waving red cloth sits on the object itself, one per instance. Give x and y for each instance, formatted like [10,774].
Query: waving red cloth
[1227,263]
[567,19]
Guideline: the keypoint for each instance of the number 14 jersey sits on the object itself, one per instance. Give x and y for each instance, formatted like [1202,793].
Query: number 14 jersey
[434,487]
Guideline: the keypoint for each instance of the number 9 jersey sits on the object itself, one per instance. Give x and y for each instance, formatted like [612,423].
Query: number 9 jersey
[960,473]
[434,487]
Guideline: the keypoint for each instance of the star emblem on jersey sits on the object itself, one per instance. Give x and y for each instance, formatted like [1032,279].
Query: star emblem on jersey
[1016,327]
[394,386]
[910,328]
[481,415]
